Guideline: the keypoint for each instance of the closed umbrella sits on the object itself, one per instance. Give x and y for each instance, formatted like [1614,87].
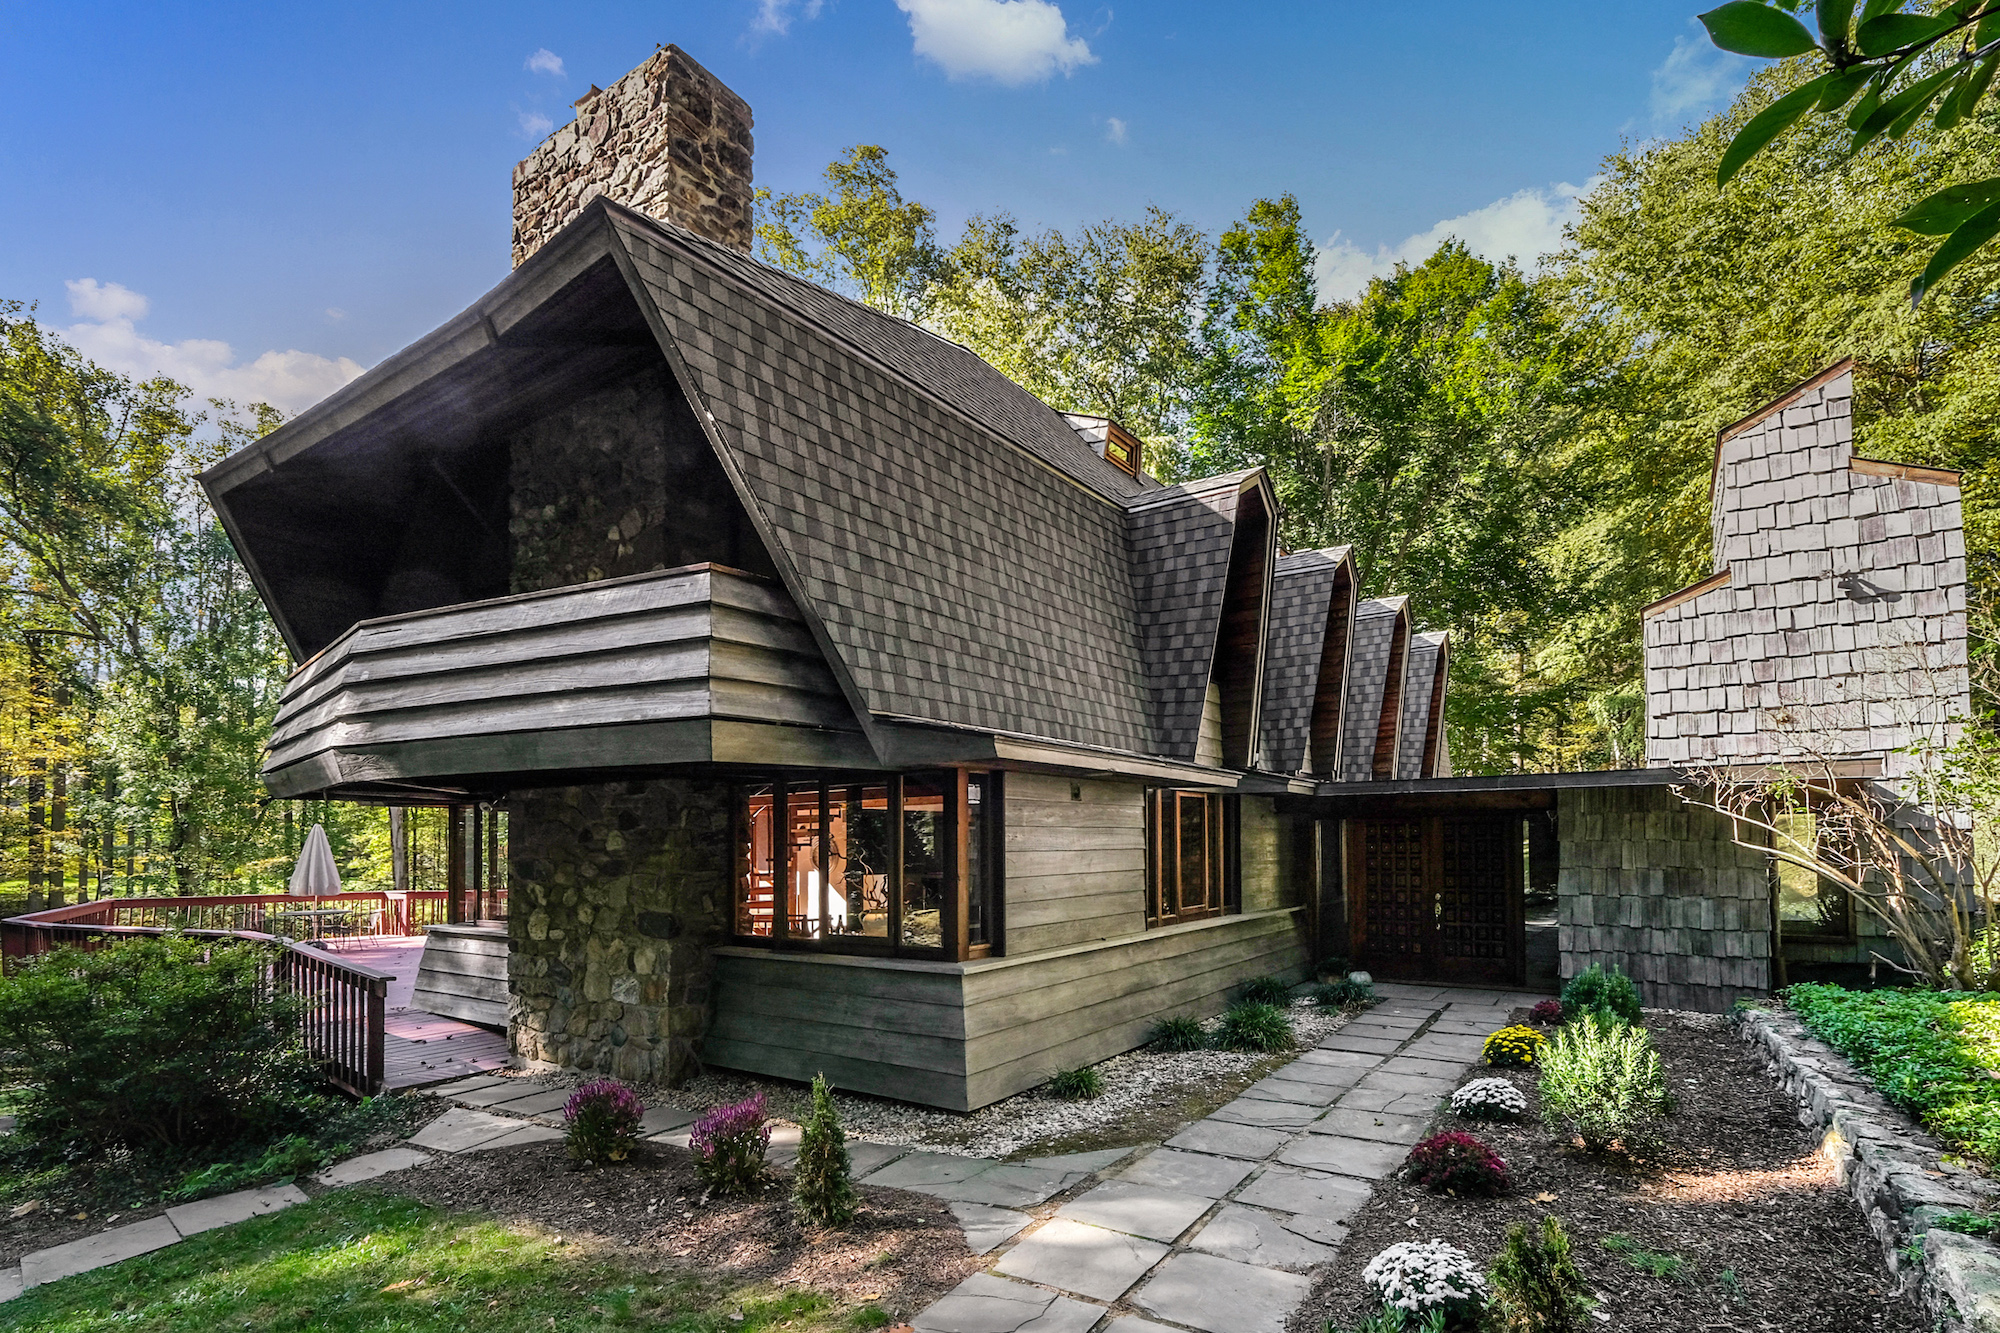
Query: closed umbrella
[316,874]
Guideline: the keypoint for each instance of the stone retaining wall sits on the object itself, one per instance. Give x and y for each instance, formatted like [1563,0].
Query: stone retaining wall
[1893,1169]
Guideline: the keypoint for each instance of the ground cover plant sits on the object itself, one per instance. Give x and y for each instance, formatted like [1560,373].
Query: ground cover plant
[360,1260]
[1179,1034]
[1266,990]
[1731,1184]
[1076,1085]
[1255,1027]
[1927,1051]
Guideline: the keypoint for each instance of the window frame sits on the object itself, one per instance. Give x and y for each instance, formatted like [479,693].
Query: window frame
[1165,864]
[1841,932]
[955,944]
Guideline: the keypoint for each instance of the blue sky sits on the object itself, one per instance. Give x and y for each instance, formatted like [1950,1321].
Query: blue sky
[266,199]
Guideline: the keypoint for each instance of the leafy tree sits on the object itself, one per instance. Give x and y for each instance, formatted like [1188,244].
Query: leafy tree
[862,238]
[1890,66]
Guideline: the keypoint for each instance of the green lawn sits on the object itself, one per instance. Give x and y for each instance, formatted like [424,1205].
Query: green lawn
[360,1259]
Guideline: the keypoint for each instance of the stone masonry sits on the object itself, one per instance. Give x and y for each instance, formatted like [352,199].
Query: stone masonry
[667,139]
[619,891]
[1840,631]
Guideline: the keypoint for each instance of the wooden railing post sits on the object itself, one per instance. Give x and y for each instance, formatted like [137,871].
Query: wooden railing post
[375,1075]
[454,865]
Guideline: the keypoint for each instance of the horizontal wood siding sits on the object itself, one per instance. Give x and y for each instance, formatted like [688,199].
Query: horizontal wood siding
[1076,868]
[963,1035]
[705,643]
[463,975]
[1264,885]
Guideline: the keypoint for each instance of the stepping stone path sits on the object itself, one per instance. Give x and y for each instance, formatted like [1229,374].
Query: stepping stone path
[1218,1230]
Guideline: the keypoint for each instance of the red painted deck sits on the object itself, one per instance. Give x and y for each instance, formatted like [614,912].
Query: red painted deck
[419,1048]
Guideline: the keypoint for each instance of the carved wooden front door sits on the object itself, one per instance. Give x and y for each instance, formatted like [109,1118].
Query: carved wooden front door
[1438,898]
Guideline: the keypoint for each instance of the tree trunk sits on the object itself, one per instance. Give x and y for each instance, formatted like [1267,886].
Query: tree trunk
[399,850]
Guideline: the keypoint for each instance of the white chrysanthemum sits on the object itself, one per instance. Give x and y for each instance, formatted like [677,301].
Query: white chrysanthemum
[1489,1099]
[1415,1276]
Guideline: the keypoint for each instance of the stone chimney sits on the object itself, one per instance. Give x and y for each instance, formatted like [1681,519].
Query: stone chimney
[667,139]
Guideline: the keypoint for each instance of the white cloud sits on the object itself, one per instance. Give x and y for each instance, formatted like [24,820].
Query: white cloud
[1114,130]
[545,61]
[535,125]
[107,334]
[775,16]
[1695,80]
[335,313]
[1008,41]
[1526,225]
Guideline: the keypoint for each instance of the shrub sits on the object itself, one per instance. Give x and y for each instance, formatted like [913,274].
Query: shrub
[1456,1163]
[1255,1027]
[1077,1085]
[1489,1099]
[823,1178]
[729,1144]
[1333,994]
[1423,1277]
[601,1121]
[1546,1013]
[1265,990]
[1603,1083]
[1179,1033]
[156,1042]
[1595,988]
[1927,1051]
[1515,1045]
[1536,1288]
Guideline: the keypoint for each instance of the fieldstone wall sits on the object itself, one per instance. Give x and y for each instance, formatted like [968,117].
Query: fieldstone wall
[621,481]
[619,891]
[1657,888]
[1896,1172]
[667,139]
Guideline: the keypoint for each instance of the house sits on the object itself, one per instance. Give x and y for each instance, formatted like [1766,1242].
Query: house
[851,709]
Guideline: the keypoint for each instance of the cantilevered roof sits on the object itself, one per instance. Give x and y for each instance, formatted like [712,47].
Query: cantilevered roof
[962,557]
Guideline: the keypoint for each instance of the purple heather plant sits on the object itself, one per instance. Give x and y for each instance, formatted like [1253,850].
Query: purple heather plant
[729,1145]
[601,1121]
[1456,1163]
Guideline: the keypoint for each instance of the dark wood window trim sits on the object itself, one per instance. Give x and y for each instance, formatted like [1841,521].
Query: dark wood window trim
[1837,928]
[764,898]
[1184,882]
[1122,449]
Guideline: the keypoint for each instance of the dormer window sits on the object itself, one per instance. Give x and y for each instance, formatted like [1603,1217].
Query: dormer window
[1122,449]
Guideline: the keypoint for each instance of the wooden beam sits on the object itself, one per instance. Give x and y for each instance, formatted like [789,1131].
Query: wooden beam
[1931,476]
[1687,594]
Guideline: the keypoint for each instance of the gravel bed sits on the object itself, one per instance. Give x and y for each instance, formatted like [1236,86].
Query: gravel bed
[1136,1086]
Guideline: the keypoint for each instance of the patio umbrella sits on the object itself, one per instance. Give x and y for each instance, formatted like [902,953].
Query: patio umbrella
[316,874]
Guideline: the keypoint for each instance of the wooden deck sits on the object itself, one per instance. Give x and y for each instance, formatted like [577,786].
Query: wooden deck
[420,1048]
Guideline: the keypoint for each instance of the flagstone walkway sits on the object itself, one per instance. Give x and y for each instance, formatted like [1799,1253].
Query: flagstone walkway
[1217,1229]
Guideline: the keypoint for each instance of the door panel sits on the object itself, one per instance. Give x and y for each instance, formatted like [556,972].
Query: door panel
[1438,898]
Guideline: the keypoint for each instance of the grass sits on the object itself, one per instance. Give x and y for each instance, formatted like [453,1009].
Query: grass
[1265,990]
[1652,1262]
[1177,1034]
[1255,1027]
[1927,1051]
[363,1260]
[1077,1085]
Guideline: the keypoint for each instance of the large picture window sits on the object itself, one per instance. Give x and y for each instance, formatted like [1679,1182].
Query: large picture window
[887,864]
[1807,904]
[1187,842]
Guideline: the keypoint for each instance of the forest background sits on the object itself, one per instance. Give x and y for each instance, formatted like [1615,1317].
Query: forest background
[1525,453]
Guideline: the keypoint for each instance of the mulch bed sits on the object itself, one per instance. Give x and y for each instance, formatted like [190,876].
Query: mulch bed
[901,1252]
[1735,1185]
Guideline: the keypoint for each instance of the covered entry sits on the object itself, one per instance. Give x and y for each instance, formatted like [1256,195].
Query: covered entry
[1439,897]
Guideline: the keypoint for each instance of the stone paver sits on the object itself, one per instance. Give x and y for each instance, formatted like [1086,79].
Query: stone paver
[459,1087]
[1228,1139]
[1290,1090]
[1422,1067]
[987,1304]
[106,1247]
[863,1157]
[1369,1159]
[1222,1295]
[918,1169]
[10,1284]
[987,1228]
[519,1135]
[1275,1115]
[1386,1082]
[1289,1189]
[665,1119]
[1087,1260]
[1007,1185]
[494,1092]
[535,1101]
[1132,1323]
[783,1149]
[1189,1172]
[1086,1162]
[228,1209]
[1368,1045]
[1137,1210]
[370,1165]
[460,1130]
[1253,1236]
[1401,1129]
[1320,1057]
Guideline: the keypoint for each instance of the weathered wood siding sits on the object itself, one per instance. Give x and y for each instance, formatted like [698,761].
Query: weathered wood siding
[546,679]
[1657,888]
[1261,862]
[963,1035]
[1075,867]
[463,974]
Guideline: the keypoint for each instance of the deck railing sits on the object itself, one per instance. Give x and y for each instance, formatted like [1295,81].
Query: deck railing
[345,1002]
